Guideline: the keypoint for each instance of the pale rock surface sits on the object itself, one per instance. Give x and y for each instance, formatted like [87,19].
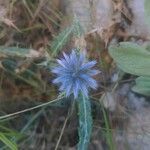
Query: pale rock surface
[139,26]
[92,14]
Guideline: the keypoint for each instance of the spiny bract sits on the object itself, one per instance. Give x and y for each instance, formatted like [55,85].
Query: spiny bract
[74,74]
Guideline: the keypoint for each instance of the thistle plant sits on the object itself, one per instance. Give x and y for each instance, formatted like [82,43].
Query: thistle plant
[74,76]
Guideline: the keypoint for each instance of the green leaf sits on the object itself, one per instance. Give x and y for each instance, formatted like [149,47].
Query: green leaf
[28,76]
[17,52]
[64,36]
[8,142]
[142,86]
[131,58]
[31,78]
[8,64]
[61,40]
[85,122]
[147,46]
[147,11]
[78,30]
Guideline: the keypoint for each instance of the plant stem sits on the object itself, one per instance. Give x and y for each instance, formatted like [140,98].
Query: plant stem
[85,122]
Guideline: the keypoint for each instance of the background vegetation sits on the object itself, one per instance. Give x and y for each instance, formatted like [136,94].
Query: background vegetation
[34,33]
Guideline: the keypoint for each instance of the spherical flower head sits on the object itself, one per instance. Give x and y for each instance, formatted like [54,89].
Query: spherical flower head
[74,74]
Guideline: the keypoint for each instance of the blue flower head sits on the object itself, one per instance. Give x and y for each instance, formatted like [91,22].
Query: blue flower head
[74,74]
